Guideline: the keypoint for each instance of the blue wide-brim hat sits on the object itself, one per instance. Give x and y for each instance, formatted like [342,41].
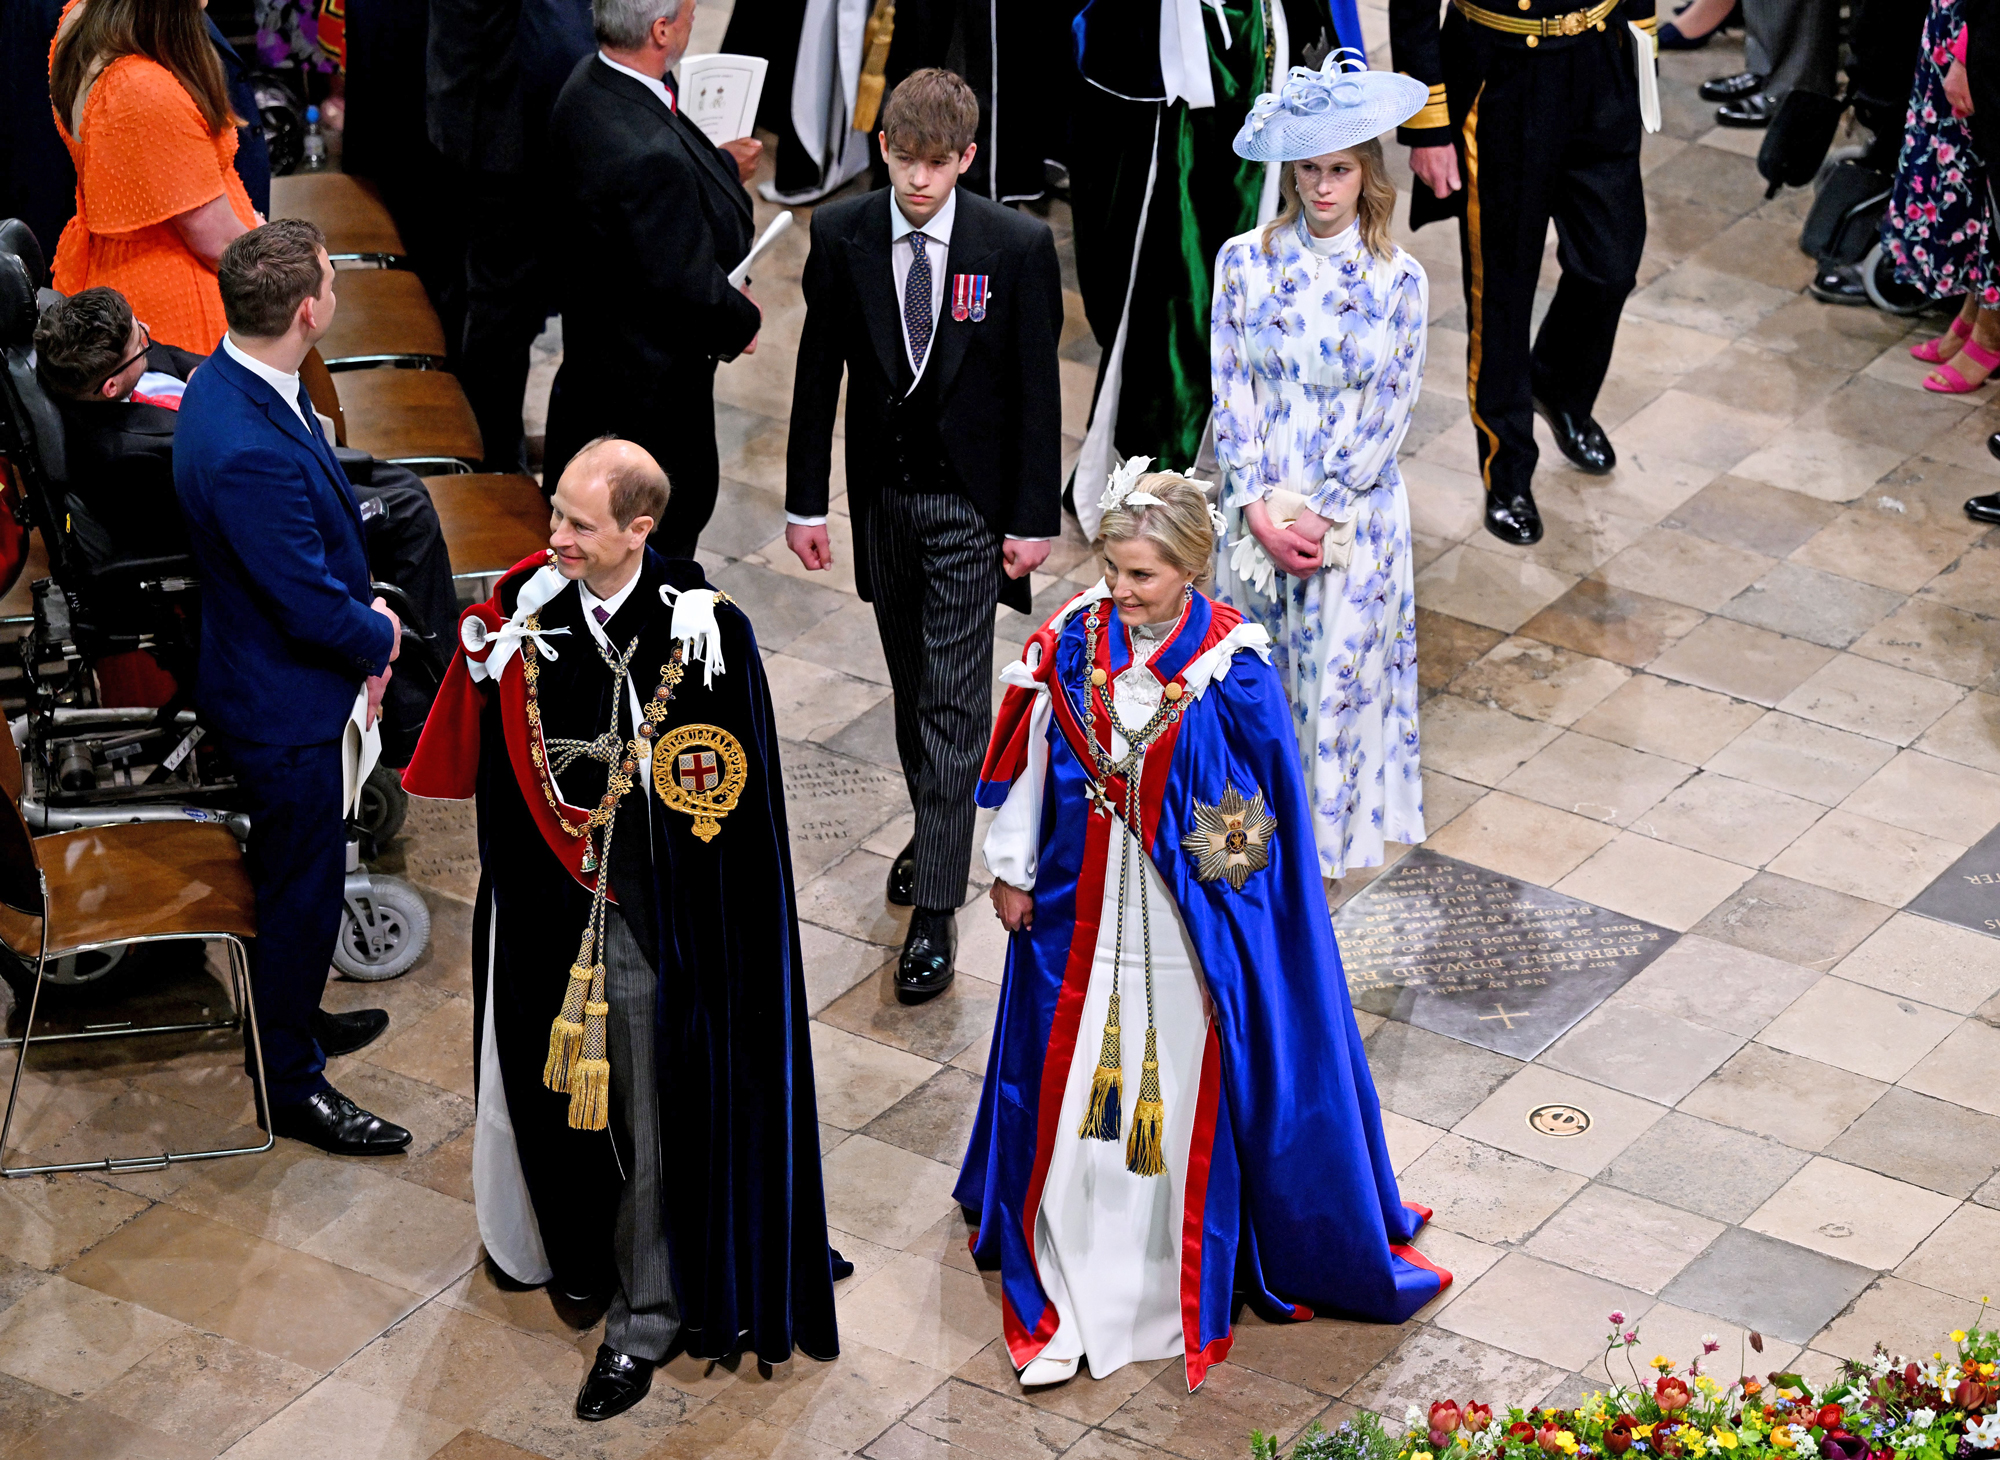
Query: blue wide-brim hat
[1329,110]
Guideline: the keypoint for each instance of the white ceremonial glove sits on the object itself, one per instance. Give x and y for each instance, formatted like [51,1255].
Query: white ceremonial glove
[1249,561]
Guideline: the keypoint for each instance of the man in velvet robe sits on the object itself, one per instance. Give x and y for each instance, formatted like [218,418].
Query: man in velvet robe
[696,1207]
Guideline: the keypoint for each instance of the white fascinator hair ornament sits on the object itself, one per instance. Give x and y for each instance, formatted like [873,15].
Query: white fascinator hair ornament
[1122,491]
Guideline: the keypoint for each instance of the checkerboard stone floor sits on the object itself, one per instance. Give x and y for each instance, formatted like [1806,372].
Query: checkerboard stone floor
[1744,690]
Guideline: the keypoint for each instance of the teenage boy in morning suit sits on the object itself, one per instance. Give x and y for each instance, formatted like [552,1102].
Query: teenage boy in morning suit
[1533,116]
[944,310]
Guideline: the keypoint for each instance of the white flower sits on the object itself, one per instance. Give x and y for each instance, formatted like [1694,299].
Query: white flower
[1413,1416]
[1921,1418]
[1802,1437]
[1985,1433]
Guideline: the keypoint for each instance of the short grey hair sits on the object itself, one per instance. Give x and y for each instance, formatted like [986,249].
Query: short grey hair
[623,24]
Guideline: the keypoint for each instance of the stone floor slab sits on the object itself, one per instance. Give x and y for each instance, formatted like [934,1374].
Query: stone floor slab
[1782,917]
[1858,1029]
[1622,1238]
[1764,1284]
[1799,1101]
[1489,1195]
[1710,1169]
[1433,1361]
[1615,1120]
[1540,1311]
[1929,1143]
[1641,1051]
[1855,1215]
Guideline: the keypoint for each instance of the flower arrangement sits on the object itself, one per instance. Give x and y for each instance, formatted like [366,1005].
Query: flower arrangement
[1880,1408]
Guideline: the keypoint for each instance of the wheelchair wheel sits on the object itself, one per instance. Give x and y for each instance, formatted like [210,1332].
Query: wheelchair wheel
[384,804]
[1885,291]
[383,931]
[75,973]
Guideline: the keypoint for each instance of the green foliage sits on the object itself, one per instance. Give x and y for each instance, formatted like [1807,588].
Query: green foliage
[1359,1438]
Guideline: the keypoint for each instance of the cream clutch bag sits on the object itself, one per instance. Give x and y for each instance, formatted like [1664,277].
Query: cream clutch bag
[1251,563]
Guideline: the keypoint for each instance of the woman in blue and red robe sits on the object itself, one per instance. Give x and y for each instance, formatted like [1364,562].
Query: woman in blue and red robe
[1130,1189]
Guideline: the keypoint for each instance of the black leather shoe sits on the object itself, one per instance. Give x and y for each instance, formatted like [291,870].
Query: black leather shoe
[925,969]
[1984,509]
[1732,88]
[842,1268]
[1755,110]
[1514,517]
[1579,438]
[339,1034]
[614,1384]
[338,1126]
[1993,445]
[903,876]
[1838,284]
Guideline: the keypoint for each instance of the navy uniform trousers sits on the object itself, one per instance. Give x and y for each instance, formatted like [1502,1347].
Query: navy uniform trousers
[1550,133]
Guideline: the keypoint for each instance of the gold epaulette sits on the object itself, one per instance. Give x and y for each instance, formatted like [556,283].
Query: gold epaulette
[1434,114]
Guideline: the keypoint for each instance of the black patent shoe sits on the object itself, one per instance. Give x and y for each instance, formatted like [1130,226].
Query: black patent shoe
[1993,445]
[1732,88]
[1579,438]
[1838,284]
[926,968]
[1752,111]
[1984,509]
[338,1126]
[1514,518]
[614,1384]
[903,876]
[339,1034]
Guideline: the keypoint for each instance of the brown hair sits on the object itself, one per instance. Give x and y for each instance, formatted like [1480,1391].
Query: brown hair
[638,488]
[81,340]
[1181,529]
[170,32]
[267,273]
[931,113]
[1378,200]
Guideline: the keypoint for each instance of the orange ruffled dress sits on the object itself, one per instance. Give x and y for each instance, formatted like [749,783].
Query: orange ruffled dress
[144,157]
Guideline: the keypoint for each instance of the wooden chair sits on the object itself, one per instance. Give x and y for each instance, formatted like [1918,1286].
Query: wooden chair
[490,521]
[349,212]
[384,318]
[413,417]
[112,887]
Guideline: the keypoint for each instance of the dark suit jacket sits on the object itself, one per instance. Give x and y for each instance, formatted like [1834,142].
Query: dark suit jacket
[647,218]
[121,471]
[999,398]
[492,72]
[286,631]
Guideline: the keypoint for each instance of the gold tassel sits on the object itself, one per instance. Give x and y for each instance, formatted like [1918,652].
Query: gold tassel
[1107,1087]
[1145,1153]
[590,1082]
[873,81]
[566,1033]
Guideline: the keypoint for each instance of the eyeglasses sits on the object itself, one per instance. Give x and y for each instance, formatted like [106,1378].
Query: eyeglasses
[122,366]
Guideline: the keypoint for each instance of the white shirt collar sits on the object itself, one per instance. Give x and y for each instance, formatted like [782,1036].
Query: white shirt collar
[287,386]
[612,604]
[938,230]
[654,83]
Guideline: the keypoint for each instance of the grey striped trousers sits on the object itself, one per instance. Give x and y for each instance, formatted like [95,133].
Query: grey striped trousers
[934,567]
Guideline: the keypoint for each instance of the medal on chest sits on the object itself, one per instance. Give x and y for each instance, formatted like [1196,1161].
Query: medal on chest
[969,294]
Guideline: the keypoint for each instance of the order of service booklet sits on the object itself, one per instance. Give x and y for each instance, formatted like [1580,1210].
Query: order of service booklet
[719,93]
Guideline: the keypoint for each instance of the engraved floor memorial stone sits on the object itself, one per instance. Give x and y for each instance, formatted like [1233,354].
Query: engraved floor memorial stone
[1495,962]
[1968,891]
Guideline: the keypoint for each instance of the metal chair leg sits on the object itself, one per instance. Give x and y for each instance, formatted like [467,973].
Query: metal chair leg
[246,1003]
[27,1029]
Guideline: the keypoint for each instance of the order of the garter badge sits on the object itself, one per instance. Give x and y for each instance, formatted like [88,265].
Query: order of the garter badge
[1231,839]
[699,771]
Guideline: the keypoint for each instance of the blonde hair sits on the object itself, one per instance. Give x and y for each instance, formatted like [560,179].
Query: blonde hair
[1179,528]
[1378,200]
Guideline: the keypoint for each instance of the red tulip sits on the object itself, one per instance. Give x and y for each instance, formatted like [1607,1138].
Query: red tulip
[1477,1417]
[1828,1417]
[1969,1395]
[1521,1430]
[1546,1438]
[1671,1393]
[1444,1416]
[1618,1434]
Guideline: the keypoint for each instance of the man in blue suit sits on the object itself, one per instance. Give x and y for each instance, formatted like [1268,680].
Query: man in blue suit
[289,635]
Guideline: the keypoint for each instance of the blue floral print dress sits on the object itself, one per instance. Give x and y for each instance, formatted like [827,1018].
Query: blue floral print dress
[1317,351]
[1936,228]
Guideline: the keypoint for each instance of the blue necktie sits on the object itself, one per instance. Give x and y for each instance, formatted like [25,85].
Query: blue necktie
[917,301]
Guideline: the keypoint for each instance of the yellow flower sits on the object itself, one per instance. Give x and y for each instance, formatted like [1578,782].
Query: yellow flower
[1782,1437]
[1641,1432]
[1566,1441]
[1421,1455]
[1705,1384]
[1662,1362]
[1724,1438]
[1958,1335]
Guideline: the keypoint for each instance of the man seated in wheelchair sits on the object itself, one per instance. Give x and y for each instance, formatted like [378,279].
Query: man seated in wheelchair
[119,390]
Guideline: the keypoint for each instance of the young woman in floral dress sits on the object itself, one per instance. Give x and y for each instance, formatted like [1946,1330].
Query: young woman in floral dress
[1317,339]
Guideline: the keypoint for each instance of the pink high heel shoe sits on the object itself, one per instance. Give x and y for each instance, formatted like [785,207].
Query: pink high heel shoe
[1955,383]
[1928,350]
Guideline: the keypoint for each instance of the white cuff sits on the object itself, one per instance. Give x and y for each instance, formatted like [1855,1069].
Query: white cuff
[1012,537]
[793,519]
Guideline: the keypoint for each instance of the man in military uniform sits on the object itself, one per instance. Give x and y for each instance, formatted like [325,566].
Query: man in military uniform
[1533,116]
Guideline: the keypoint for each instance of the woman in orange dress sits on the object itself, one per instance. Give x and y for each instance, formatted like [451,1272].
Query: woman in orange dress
[143,106]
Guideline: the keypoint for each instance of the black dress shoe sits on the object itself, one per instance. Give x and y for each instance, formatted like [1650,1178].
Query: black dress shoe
[339,1034]
[842,1268]
[1984,509]
[1579,438]
[1993,445]
[1513,517]
[1752,111]
[1732,88]
[925,969]
[903,876]
[337,1125]
[1838,284]
[614,1384]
